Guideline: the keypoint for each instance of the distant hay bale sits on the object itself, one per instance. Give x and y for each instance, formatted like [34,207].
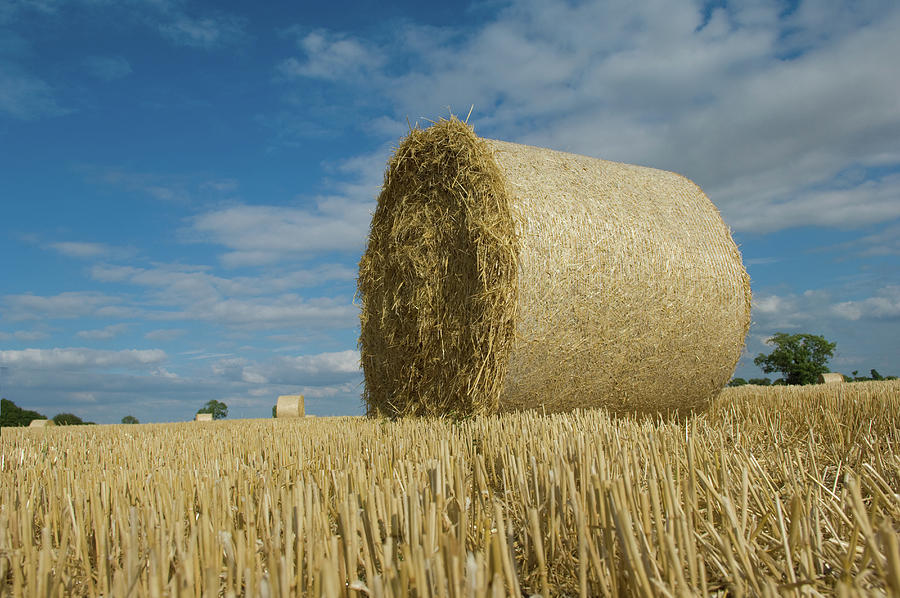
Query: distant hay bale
[501,277]
[290,406]
[204,417]
[830,378]
[41,423]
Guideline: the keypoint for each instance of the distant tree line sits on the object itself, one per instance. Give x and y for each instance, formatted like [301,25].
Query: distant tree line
[11,415]
[801,359]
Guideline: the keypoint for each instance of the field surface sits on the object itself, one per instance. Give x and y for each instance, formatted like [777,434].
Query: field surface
[774,491]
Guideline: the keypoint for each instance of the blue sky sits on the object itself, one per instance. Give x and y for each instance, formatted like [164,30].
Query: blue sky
[186,188]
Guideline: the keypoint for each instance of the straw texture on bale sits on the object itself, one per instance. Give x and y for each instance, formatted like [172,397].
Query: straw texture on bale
[830,378]
[502,277]
[290,406]
[204,417]
[41,423]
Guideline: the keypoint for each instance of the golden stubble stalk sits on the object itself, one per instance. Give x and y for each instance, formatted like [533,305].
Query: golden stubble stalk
[774,491]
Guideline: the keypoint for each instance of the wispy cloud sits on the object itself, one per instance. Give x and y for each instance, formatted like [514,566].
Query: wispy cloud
[82,250]
[23,335]
[192,293]
[165,334]
[105,333]
[81,358]
[320,369]
[264,234]
[207,32]
[26,97]
[332,56]
[73,304]
[107,68]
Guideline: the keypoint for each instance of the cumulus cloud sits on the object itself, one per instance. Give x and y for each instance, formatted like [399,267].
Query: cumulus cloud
[884,305]
[764,108]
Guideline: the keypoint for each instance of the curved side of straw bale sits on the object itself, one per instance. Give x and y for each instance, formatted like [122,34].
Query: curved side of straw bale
[830,378]
[290,406]
[41,423]
[501,277]
[203,417]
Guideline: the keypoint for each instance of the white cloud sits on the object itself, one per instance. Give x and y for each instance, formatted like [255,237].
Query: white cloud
[285,310]
[203,32]
[81,250]
[24,96]
[23,335]
[263,234]
[61,358]
[791,311]
[105,333]
[165,334]
[763,110]
[322,369]
[64,305]
[107,68]
[191,293]
[185,284]
[331,56]
[884,305]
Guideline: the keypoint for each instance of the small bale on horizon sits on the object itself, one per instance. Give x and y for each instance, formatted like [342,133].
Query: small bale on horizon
[290,406]
[203,417]
[831,378]
[41,423]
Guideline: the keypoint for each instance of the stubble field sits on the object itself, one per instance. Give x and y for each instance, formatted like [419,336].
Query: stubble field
[774,491]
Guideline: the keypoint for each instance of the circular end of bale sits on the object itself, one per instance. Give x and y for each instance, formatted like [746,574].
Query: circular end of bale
[438,279]
[830,378]
[290,406]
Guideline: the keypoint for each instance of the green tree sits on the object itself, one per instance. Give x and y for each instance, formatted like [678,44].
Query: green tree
[67,419]
[218,409]
[799,357]
[274,410]
[11,415]
[737,382]
[760,381]
[130,419]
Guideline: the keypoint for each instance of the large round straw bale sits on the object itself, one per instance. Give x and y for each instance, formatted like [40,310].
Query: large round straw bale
[203,417]
[41,423]
[290,406]
[830,378]
[500,276]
